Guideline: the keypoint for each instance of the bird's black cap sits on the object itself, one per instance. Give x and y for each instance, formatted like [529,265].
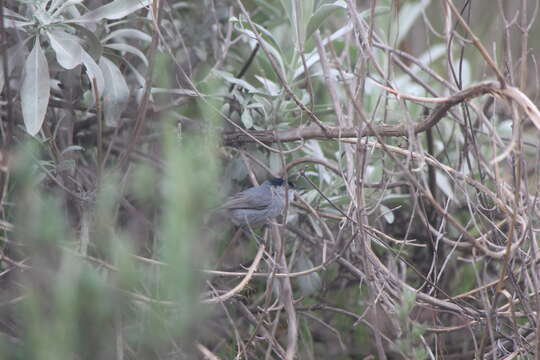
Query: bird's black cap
[279,182]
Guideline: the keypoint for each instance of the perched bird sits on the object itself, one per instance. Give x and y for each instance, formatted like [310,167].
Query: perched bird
[256,205]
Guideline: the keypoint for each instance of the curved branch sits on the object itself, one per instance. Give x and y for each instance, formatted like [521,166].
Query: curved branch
[315,132]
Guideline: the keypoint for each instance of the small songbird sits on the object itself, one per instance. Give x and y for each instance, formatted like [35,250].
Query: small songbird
[256,205]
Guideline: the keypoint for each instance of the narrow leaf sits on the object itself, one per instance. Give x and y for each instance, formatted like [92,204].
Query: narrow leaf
[408,15]
[247,120]
[243,25]
[311,282]
[388,214]
[35,90]
[14,14]
[444,184]
[184,92]
[272,88]
[130,49]
[233,80]
[321,14]
[116,93]
[128,33]
[93,71]
[90,42]
[114,10]
[67,48]
[62,5]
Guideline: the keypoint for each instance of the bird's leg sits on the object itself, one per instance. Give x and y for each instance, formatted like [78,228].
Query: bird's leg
[250,233]
[237,235]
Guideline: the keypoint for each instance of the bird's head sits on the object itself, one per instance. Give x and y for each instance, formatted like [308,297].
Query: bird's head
[279,185]
[280,182]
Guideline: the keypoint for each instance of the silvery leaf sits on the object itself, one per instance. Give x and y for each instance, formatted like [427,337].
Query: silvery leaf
[114,10]
[35,90]
[67,48]
[93,71]
[116,94]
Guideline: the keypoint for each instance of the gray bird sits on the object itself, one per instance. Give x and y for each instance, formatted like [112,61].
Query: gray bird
[258,204]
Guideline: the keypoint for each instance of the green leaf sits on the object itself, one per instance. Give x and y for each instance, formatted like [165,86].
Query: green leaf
[58,7]
[90,43]
[233,80]
[307,10]
[35,90]
[247,120]
[388,214]
[321,14]
[444,184]
[67,48]
[308,344]
[267,39]
[407,16]
[244,26]
[16,24]
[270,86]
[313,57]
[432,54]
[395,200]
[183,92]
[42,16]
[12,14]
[114,10]
[298,12]
[128,33]
[310,283]
[130,49]
[288,7]
[56,4]
[72,148]
[93,71]
[115,94]
[504,128]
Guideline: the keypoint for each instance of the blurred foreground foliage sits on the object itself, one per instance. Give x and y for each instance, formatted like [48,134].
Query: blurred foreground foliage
[83,292]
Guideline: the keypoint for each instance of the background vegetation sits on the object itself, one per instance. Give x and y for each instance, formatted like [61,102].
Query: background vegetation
[410,128]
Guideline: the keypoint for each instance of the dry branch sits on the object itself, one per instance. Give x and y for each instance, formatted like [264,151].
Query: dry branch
[313,132]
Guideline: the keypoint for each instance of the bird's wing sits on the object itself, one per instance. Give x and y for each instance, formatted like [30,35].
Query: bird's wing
[249,199]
